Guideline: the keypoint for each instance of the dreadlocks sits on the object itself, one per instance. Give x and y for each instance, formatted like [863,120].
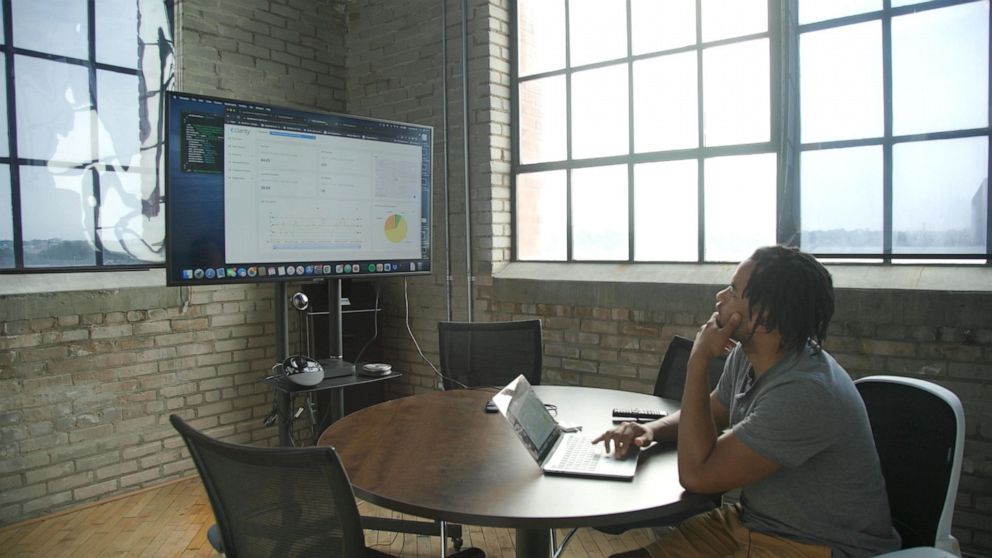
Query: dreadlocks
[792,292]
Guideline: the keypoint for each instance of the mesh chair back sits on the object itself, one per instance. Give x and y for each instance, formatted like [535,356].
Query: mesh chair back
[475,354]
[671,376]
[918,428]
[277,502]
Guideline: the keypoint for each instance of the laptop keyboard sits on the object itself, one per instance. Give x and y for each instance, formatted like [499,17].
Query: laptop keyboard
[579,454]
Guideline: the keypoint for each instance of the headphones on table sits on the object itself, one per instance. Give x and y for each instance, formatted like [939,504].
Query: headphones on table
[300,370]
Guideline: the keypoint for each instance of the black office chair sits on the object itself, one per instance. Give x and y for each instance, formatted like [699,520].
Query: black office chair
[280,502]
[478,354]
[918,428]
[671,375]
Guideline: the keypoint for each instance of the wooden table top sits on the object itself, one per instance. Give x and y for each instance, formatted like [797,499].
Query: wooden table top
[438,455]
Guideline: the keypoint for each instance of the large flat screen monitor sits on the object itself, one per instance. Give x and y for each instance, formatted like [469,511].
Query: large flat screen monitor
[259,193]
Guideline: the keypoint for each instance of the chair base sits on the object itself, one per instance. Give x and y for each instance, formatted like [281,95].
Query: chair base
[386,524]
[414,528]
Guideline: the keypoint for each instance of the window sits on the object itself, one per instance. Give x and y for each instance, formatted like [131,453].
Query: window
[696,130]
[80,147]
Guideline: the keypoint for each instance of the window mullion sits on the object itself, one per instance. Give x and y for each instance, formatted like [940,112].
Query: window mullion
[988,172]
[887,168]
[14,168]
[631,225]
[700,142]
[784,18]
[94,131]
[568,136]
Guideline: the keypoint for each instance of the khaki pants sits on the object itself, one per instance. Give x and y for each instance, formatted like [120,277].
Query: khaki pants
[719,534]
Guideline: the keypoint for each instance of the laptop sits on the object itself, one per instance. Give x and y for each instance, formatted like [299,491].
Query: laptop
[557,452]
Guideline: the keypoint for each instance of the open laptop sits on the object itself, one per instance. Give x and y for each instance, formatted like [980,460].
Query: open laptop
[556,451]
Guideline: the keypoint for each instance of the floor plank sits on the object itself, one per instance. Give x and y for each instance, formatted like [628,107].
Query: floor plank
[172,521]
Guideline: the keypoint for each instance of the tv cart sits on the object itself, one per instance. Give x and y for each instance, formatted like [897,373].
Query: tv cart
[346,376]
[335,366]
[338,373]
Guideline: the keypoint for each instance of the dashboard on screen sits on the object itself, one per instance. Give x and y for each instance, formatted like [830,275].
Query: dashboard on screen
[257,193]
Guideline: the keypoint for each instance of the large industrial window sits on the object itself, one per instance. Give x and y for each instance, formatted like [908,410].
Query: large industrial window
[697,130]
[80,142]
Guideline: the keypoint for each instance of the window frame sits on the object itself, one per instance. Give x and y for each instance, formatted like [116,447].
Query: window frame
[783,32]
[94,167]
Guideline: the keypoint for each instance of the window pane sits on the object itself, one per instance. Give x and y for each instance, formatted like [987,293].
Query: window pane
[53,26]
[117,102]
[127,236]
[542,120]
[666,225]
[4,129]
[940,69]
[599,213]
[541,215]
[59,231]
[6,220]
[842,200]
[662,25]
[665,103]
[53,110]
[599,112]
[724,19]
[940,196]
[740,205]
[597,30]
[818,10]
[541,32]
[117,33]
[736,103]
[841,83]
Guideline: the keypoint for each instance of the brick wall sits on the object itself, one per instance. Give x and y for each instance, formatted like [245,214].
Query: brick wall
[396,70]
[89,380]
[287,52]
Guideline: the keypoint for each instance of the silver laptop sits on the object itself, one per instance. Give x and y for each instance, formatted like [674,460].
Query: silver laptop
[556,452]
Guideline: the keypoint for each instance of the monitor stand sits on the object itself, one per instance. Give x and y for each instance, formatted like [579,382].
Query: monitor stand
[335,366]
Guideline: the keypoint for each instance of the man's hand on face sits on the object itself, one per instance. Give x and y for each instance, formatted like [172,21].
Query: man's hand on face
[713,340]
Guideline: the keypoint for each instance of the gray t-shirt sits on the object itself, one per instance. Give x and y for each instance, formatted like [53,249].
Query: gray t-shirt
[805,414]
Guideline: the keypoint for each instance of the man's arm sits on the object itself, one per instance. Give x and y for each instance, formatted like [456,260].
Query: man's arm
[667,429]
[709,463]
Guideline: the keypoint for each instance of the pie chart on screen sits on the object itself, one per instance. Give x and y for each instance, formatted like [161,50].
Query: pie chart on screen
[395,228]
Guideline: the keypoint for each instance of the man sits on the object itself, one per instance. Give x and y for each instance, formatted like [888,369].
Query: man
[799,444]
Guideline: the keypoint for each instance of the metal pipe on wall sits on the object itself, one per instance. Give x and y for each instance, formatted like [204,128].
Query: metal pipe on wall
[469,277]
[448,278]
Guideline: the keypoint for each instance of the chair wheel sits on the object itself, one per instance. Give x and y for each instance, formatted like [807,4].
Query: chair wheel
[214,538]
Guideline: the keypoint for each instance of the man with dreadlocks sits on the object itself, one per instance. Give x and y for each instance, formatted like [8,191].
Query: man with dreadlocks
[797,439]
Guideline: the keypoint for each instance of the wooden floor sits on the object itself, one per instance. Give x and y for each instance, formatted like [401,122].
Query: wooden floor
[172,521]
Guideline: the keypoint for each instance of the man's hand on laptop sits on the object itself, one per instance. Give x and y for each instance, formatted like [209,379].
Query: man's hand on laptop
[624,437]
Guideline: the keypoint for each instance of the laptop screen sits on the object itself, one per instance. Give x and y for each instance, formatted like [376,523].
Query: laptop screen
[530,418]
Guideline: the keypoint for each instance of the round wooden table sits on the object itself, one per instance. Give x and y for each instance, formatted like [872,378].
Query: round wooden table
[438,455]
